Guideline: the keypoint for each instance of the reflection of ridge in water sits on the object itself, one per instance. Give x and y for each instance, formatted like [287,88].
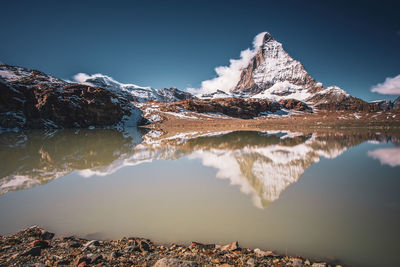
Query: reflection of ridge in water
[262,164]
[38,157]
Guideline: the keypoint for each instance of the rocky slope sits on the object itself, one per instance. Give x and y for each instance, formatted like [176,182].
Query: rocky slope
[32,99]
[235,107]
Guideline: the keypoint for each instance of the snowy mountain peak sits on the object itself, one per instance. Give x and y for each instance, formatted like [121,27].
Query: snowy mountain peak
[268,37]
[274,74]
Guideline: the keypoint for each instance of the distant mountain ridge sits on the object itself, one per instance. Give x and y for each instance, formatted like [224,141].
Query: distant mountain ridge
[133,92]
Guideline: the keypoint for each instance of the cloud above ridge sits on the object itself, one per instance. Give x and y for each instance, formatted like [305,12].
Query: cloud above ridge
[391,86]
[228,76]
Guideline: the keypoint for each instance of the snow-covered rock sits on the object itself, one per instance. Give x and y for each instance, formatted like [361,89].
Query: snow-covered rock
[274,74]
[133,92]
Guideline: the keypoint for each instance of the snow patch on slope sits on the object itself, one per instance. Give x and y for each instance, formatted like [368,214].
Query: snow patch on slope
[284,90]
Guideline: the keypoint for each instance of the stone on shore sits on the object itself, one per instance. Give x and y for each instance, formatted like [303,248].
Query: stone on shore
[28,248]
[230,247]
[172,262]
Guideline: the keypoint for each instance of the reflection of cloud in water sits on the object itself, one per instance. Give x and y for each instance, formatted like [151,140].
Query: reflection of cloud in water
[389,156]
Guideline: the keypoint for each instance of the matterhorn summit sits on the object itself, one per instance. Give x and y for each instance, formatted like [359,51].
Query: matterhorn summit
[273,73]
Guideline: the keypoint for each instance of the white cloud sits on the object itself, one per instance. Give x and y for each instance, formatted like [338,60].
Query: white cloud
[389,156]
[84,78]
[391,86]
[228,76]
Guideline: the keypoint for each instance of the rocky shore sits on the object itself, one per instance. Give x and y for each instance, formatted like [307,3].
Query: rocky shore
[35,246]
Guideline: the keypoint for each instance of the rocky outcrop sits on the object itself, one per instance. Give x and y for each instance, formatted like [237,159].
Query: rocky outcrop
[386,105]
[32,99]
[236,107]
[293,104]
[173,94]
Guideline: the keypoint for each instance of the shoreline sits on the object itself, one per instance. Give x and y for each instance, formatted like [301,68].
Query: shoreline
[170,123]
[34,246]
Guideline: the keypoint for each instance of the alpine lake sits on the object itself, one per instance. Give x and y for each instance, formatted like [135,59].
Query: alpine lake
[332,195]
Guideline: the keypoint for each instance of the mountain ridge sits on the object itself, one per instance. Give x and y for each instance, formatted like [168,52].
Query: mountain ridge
[272,81]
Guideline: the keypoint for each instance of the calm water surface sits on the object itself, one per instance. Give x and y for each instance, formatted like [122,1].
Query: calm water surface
[332,196]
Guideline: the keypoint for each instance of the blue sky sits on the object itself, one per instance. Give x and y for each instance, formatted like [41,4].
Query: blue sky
[352,44]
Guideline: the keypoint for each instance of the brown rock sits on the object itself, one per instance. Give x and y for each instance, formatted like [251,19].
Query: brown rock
[83,260]
[201,246]
[260,253]
[172,262]
[35,251]
[144,246]
[39,243]
[45,235]
[231,247]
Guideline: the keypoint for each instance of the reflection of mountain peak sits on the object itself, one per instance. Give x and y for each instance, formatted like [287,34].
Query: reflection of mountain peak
[262,164]
[265,171]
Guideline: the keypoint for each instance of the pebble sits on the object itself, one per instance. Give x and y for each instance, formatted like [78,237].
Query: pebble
[30,247]
[172,262]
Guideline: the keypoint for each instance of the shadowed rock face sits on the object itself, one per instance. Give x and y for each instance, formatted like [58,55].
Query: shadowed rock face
[32,99]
